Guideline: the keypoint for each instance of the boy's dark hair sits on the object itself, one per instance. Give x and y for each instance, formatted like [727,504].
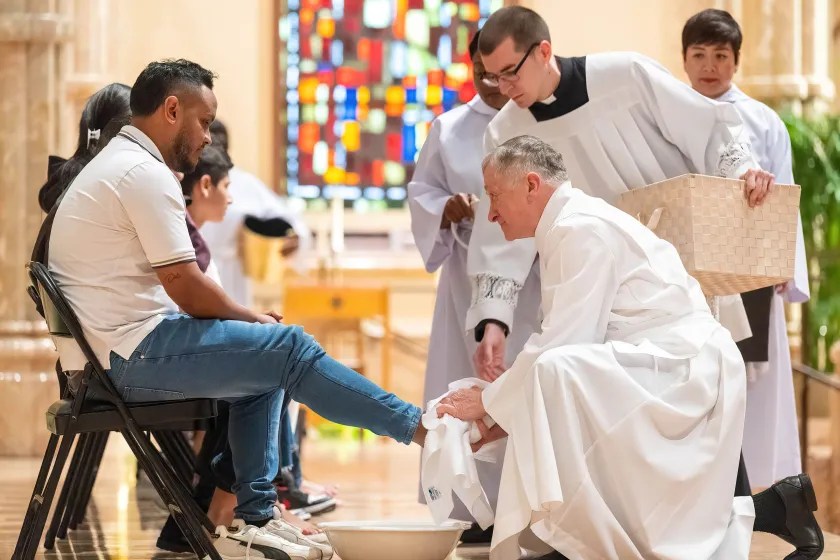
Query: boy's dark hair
[161,79]
[214,162]
[712,27]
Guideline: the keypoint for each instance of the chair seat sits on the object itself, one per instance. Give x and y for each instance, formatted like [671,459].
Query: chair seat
[98,416]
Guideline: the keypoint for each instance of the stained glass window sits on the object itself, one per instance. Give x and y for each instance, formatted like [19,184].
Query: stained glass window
[363,80]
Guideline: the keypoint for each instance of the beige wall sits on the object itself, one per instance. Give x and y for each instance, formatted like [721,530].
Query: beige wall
[651,27]
[232,38]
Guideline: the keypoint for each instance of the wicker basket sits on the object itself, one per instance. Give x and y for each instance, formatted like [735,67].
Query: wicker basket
[727,246]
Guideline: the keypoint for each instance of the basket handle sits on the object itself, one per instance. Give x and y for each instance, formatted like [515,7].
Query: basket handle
[653,221]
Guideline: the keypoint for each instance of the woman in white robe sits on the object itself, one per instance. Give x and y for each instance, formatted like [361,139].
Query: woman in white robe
[449,165]
[625,413]
[711,51]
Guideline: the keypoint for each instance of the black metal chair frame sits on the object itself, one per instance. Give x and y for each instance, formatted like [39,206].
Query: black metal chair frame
[90,423]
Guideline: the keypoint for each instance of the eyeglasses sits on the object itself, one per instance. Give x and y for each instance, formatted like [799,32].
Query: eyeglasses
[508,76]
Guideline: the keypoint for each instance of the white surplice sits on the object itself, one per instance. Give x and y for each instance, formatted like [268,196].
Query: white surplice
[251,197]
[625,413]
[450,163]
[622,121]
[771,437]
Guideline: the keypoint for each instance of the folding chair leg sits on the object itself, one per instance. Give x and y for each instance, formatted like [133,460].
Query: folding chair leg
[186,450]
[100,441]
[84,456]
[70,483]
[173,455]
[37,491]
[186,457]
[172,491]
[43,501]
[185,488]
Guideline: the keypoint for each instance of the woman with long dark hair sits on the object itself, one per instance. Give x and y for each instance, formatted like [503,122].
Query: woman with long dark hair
[108,103]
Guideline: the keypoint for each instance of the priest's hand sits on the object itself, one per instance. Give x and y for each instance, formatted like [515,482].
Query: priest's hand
[758,185]
[489,357]
[458,207]
[463,404]
[488,435]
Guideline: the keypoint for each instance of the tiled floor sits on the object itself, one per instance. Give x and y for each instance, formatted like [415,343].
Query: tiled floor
[376,478]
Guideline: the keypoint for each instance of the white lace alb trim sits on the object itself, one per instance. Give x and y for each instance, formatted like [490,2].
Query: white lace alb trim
[732,157]
[486,287]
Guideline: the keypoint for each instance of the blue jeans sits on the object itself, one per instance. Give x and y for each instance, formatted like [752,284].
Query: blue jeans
[252,366]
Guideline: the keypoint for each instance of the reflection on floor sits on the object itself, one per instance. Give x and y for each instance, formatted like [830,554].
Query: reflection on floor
[377,479]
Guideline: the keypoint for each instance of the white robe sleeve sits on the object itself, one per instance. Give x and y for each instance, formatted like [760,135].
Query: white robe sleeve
[428,192]
[582,263]
[497,268]
[778,146]
[710,135]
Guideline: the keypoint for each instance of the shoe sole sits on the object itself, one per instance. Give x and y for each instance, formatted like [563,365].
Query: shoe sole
[176,547]
[319,509]
[808,488]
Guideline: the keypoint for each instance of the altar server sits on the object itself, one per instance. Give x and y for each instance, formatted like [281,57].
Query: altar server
[446,179]
[711,43]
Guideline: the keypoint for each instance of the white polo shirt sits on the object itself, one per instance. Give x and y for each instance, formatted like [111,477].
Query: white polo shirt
[123,216]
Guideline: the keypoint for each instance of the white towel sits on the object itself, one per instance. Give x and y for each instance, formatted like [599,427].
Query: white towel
[449,463]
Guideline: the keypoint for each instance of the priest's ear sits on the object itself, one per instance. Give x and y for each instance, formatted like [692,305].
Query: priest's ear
[535,184]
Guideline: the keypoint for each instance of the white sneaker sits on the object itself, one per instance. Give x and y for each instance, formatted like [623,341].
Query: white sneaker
[289,532]
[253,543]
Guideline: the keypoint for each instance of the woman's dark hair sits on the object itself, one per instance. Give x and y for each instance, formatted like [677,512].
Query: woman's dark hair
[712,27]
[108,103]
[111,130]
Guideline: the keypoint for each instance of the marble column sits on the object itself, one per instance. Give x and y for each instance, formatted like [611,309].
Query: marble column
[30,33]
[786,47]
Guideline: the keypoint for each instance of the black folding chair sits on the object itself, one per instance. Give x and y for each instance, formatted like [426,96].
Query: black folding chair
[91,421]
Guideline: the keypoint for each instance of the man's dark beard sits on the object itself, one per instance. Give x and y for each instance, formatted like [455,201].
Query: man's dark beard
[182,154]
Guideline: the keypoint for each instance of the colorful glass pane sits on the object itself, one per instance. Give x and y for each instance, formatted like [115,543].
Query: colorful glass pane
[362,81]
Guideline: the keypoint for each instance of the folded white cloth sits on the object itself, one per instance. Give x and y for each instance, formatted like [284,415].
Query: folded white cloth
[449,462]
[733,317]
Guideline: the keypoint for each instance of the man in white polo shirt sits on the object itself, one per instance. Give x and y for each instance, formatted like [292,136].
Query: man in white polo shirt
[122,256]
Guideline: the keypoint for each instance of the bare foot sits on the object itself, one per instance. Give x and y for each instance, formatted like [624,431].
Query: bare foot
[420,435]
[221,508]
[292,519]
[310,487]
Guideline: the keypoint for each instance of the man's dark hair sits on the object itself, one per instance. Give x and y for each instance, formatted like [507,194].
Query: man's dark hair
[712,27]
[473,48]
[523,25]
[219,134]
[214,162]
[161,79]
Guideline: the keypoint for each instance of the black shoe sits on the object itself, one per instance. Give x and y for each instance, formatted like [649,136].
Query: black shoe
[476,535]
[172,539]
[801,527]
[295,500]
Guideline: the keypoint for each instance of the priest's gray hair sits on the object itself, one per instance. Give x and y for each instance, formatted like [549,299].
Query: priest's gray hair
[526,154]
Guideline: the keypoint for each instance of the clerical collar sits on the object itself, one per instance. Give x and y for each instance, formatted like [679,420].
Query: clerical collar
[570,94]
